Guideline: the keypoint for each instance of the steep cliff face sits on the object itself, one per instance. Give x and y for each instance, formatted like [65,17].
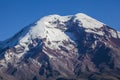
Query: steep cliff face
[62,48]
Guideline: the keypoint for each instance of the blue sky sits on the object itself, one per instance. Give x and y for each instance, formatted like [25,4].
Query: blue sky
[16,14]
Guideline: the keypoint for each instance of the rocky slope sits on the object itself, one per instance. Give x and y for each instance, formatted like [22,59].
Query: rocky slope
[75,47]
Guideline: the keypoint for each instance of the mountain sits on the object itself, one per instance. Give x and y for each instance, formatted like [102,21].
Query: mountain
[74,47]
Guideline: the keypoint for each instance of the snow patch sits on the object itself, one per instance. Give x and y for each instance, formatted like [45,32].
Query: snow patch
[113,33]
[91,31]
[50,56]
[88,22]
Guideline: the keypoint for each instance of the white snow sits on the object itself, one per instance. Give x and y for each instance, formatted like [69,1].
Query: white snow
[37,30]
[91,31]
[54,20]
[54,34]
[113,33]
[43,29]
[88,22]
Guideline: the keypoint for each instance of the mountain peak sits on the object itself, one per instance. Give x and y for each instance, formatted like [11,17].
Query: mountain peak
[56,25]
[53,26]
[56,47]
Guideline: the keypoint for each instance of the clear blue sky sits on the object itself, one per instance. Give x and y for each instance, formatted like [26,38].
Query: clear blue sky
[16,14]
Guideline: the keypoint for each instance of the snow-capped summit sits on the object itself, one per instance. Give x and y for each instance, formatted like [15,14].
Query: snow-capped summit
[61,46]
[52,28]
[88,22]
